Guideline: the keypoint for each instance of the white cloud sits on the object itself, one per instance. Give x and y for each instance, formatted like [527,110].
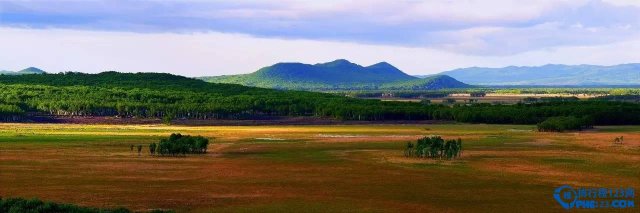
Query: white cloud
[460,26]
[201,54]
[624,2]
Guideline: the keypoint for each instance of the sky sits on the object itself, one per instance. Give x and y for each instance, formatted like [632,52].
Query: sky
[208,38]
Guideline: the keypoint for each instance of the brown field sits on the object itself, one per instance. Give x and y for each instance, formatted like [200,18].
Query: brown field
[350,168]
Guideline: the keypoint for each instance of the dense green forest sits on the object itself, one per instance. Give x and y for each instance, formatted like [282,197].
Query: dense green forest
[164,95]
[153,95]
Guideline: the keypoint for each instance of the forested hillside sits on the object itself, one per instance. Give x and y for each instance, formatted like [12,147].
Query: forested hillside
[336,75]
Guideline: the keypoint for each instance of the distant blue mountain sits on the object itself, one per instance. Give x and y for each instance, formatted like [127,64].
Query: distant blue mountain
[552,74]
[30,70]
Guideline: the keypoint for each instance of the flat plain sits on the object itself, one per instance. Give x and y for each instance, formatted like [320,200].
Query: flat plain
[336,168]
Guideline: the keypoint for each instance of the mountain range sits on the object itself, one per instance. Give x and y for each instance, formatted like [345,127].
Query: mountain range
[550,75]
[338,74]
[344,75]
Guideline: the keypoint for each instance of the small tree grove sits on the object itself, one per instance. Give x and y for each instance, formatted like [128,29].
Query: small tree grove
[434,147]
[178,144]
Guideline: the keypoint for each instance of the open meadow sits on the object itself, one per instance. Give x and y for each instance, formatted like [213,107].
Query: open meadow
[503,168]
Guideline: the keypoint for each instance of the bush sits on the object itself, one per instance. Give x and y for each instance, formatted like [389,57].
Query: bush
[182,144]
[35,205]
[564,123]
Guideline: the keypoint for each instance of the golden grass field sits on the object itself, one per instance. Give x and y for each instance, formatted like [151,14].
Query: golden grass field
[354,168]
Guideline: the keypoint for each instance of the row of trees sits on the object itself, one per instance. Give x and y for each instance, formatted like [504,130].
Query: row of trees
[178,144]
[434,147]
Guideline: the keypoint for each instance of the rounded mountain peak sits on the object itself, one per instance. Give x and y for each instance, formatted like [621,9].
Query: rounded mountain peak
[339,63]
[383,64]
[31,70]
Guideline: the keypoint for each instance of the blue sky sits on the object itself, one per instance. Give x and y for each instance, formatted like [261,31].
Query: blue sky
[197,38]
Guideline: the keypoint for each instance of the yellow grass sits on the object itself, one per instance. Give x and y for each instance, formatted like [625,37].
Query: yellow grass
[312,168]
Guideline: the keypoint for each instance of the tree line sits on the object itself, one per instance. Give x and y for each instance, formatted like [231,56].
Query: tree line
[598,112]
[153,95]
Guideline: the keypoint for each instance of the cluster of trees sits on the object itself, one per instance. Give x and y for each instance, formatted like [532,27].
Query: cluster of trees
[434,147]
[36,205]
[178,144]
[565,123]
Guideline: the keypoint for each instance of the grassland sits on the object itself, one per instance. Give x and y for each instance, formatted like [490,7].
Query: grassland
[504,168]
